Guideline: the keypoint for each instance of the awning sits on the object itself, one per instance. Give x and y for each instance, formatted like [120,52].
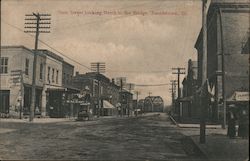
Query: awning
[239,97]
[106,104]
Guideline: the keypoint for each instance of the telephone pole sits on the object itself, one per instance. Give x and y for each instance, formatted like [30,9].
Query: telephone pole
[121,81]
[98,67]
[204,74]
[34,21]
[173,90]
[178,71]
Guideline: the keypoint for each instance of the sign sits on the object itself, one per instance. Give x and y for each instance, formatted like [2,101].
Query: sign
[78,102]
[242,96]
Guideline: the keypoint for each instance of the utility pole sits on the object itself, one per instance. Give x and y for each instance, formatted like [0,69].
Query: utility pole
[98,67]
[130,88]
[173,90]
[204,74]
[223,72]
[178,72]
[35,19]
[120,81]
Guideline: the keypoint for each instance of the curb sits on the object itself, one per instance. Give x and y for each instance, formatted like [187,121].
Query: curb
[188,140]
[173,120]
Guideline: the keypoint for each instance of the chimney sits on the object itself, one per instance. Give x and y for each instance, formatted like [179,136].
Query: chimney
[113,80]
[77,73]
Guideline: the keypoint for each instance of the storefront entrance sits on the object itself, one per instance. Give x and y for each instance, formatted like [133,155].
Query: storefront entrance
[4,102]
[27,101]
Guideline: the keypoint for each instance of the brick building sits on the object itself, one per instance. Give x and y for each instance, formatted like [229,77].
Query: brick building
[227,31]
[108,91]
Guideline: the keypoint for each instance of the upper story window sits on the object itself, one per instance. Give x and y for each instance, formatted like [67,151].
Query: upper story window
[3,65]
[64,78]
[41,71]
[27,63]
[48,76]
[53,75]
[57,72]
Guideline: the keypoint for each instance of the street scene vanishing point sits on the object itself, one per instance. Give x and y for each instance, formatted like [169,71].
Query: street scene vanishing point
[124,80]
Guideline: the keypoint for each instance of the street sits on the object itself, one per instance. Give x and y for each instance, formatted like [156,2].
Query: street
[135,138]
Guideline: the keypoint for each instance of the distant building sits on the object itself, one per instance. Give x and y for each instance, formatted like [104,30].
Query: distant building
[126,100]
[108,91]
[227,30]
[189,108]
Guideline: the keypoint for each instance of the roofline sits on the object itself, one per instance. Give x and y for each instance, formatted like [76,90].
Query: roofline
[68,64]
[16,46]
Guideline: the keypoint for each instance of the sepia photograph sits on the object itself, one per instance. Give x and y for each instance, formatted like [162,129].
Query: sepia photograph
[124,80]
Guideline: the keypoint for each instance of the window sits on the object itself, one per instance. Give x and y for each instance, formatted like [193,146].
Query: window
[27,63]
[64,78]
[4,65]
[53,75]
[57,72]
[48,79]
[41,71]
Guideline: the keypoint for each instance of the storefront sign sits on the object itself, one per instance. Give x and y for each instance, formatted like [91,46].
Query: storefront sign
[242,96]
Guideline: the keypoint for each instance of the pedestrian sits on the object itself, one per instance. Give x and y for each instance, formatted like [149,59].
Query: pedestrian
[243,124]
[231,131]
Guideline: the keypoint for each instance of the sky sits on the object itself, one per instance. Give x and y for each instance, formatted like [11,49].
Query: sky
[141,40]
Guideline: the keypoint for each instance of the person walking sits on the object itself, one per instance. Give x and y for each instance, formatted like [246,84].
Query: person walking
[231,131]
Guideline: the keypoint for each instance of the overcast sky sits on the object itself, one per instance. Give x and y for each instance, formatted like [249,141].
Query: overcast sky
[140,40]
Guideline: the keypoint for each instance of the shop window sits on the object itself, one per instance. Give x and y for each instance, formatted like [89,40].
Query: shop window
[3,65]
[27,63]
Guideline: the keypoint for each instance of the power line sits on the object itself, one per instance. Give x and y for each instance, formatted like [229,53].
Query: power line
[48,46]
[151,85]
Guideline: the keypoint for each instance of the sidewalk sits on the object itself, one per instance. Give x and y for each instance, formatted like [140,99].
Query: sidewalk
[193,125]
[218,146]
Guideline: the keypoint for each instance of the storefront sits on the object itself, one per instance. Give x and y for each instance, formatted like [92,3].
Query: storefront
[27,100]
[4,102]
[108,109]
[56,105]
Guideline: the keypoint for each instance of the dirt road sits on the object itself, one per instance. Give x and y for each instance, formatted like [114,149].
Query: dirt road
[148,137]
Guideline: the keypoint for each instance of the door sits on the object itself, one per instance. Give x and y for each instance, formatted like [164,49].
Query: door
[4,101]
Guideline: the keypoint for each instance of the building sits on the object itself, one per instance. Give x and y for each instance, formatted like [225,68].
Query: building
[126,100]
[189,108]
[16,82]
[227,36]
[108,93]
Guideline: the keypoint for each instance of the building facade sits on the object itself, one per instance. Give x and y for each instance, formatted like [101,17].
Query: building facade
[16,82]
[100,88]
[227,31]
[189,108]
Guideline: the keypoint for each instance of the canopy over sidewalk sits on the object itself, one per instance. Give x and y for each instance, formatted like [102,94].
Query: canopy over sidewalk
[108,105]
